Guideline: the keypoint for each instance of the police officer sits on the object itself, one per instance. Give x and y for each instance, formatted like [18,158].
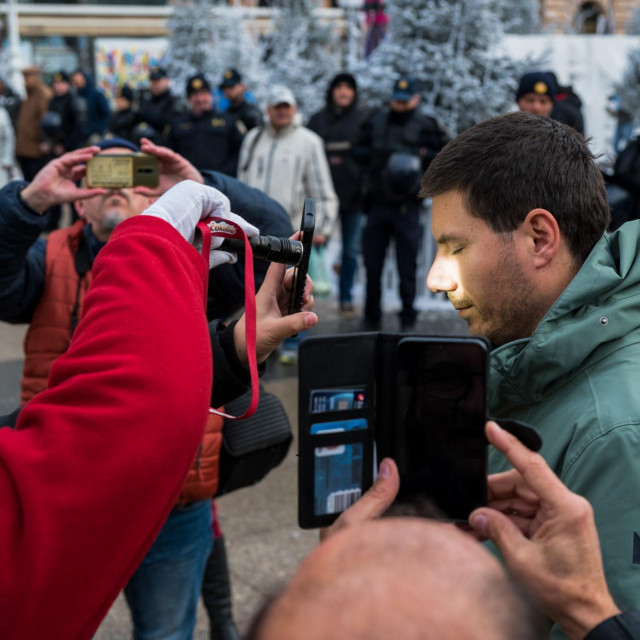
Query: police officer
[159,108]
[400,143]
[234,90]
[207,138]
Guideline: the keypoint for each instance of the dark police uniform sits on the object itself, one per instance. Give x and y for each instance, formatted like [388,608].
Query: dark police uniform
[247,115]
[211,141]
[394,212]
[160,112]
[155,114]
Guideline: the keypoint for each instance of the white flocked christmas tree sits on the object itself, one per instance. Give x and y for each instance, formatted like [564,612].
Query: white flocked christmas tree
[209,37]
[448,47]
[303,53]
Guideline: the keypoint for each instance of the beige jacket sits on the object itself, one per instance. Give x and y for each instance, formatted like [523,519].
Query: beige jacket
[290,165]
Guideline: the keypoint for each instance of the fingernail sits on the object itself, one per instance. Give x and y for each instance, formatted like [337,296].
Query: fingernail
[479,523]
[385,469]
[309,319]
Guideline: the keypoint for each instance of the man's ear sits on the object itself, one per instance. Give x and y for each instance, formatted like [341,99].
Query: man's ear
[543,234]
[78,205]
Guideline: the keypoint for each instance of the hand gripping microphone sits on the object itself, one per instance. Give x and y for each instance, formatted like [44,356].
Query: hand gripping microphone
[268,248]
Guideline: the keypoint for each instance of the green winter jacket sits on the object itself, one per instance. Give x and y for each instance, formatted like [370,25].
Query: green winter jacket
[577,380]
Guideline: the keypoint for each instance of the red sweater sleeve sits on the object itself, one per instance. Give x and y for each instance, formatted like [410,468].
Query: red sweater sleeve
[96,461]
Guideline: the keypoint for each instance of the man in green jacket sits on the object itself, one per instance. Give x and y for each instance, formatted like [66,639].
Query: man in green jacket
[519,216]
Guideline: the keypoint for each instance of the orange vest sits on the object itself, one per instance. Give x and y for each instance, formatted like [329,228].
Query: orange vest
[50,333]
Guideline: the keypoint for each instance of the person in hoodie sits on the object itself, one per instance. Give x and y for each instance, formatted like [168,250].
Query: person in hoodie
[519,217]
[97,106]
[338,124]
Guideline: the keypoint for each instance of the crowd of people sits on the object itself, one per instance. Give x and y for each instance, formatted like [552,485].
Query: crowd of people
[520,216]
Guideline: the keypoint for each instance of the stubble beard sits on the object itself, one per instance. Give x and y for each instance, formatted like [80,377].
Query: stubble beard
[513,313]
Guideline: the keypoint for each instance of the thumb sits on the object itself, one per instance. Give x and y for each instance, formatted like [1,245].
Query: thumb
[288,326]
[498,528]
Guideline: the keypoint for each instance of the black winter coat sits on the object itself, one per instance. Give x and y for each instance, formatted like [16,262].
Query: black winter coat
[160,112]
[340,128]
[121,124]
[65,121]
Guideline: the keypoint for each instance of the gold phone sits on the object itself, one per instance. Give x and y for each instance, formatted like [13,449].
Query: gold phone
[121,171]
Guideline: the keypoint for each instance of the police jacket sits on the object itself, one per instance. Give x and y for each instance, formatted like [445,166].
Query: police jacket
[339,128]
[290,165]
[388,132]
[210,141]
[160,111]
[247,115]
[575,380]
[65,121]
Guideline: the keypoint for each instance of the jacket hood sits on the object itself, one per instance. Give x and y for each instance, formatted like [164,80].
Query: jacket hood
[342,77]
[594,316]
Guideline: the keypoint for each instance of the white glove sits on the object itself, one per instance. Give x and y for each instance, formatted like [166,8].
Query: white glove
[188,202]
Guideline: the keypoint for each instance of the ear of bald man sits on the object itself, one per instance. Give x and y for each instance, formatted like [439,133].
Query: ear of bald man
[547,537]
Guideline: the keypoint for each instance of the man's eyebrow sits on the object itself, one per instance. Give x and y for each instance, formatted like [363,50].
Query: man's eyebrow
[449,238]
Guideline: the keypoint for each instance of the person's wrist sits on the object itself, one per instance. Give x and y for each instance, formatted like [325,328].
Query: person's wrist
[35,199]
[579,620]
[240,341]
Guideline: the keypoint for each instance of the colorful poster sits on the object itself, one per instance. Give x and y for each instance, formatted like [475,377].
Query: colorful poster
[126,61]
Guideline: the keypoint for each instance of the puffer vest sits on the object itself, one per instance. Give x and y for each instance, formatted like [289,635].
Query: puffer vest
[59,309]
[67,278]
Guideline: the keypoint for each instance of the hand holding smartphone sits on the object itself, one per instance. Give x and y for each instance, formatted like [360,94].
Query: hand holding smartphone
[307,226]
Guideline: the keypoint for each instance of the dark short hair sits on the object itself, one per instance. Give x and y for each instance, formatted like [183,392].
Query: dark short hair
[509,165]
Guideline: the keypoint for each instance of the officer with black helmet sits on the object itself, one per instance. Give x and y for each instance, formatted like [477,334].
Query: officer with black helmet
[399,143]
[207,138]
[159,108]
[234,90]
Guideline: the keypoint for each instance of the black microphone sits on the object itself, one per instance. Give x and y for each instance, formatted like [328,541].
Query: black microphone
[268,248]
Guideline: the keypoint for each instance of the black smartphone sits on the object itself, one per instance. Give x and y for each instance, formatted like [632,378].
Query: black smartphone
[307,226]
[441,410]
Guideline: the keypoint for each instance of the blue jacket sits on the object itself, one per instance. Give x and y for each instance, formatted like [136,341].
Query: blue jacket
[98,110]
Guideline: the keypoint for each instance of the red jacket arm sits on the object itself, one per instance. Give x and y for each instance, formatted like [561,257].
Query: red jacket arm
[97,461]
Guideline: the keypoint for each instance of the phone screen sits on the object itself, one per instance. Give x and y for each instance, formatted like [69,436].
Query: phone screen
[441,408]
[307,226]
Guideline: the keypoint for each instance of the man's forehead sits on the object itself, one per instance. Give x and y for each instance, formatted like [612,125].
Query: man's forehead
[112,151]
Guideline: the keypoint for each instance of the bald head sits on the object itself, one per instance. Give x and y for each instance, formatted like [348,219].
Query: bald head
[395,578]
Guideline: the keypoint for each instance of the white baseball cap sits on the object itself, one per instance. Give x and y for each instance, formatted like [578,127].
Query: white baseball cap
[280,94]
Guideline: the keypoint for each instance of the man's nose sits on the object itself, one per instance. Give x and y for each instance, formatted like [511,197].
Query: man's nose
[441,276]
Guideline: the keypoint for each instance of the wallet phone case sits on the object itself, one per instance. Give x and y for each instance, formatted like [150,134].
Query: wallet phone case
[348,416]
